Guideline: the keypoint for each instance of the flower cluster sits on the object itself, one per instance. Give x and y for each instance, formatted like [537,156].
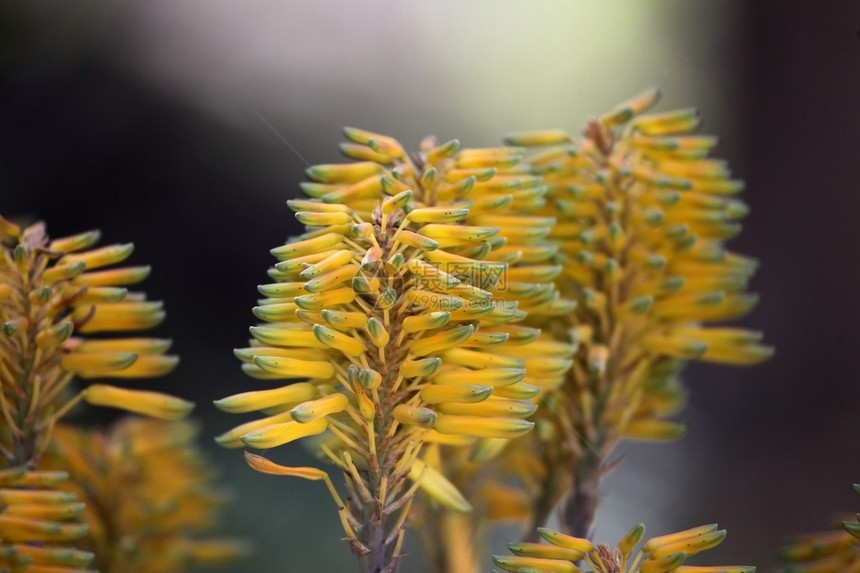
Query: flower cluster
[439,298]
[831,551]
[52,293]
[663,554]
[148,495]
[643,215]
[398,353]
[38,522]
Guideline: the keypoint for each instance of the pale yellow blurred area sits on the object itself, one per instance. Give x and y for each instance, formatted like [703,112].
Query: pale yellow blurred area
[467,69]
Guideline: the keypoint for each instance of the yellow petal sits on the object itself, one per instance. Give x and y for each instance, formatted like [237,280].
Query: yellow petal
[437,486]
[320,408]
[101,257]
[295,368]
[266,466]
[262,399]
[338,340]
[279,434]
[482,427]
[153,404]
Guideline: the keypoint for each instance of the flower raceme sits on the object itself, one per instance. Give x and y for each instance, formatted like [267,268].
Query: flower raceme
[397,352]
[498,190]
[663,554]
[144,483]
[480,188]
[643,215]
[38,523]
[52,293]
[834,551]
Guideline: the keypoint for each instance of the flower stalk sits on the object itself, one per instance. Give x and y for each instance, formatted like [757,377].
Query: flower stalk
[643,215]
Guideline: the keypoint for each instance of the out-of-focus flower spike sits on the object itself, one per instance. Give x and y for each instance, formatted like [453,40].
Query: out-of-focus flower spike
[642,213]
[833,550]
[665,558]
[159,515]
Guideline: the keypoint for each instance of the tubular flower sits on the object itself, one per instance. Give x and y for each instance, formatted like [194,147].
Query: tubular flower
[643,215]
[663,554]
[835,551]
[38,522]
[148,494]
[475,187]
[50,293]
[397,351]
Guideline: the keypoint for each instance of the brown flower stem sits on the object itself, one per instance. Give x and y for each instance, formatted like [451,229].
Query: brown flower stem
[375,560]
[545,504]
[578,510]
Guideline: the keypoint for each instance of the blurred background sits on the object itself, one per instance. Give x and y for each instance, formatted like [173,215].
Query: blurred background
[184,126]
